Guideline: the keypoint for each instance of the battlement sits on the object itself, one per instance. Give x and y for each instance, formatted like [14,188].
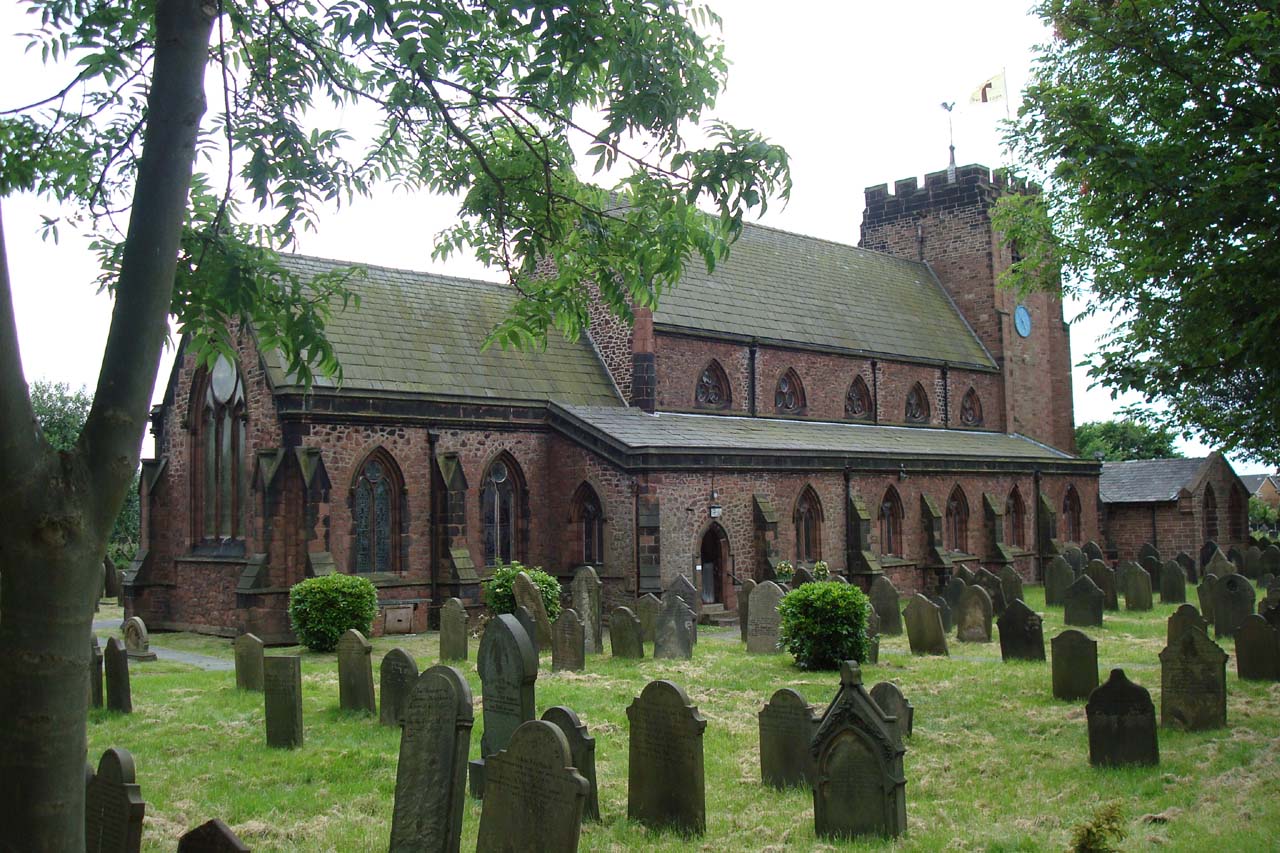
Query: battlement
[974,184]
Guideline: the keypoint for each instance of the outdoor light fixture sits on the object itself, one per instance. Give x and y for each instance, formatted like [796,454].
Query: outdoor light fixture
[902,471]
[716,509]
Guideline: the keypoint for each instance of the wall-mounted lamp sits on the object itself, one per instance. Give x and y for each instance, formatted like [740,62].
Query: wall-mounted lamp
[902,472]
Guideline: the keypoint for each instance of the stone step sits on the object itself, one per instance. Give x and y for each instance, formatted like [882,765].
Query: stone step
[719,620]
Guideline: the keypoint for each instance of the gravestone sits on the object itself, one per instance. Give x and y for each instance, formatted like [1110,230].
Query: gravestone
[431,777]
[1076,557]
[1193,683]
[1265,582]
[1091,551]
[873,636]
[860,787]
[1183,618]
[884,598]
[282,700]
[1207,551]
[1057,577]
[674,633]
[924,627]
[453,630]
[1206,592]
[666,786]
[116,662]
[1271,560]
[952,592]
[1137,591]
[1152,567]
[801,577]
[1010,584]
[1021,632]
[1075,665]
[1233,600]
[764,620]
[1104,578]
[744,607]
[528,596]
[1269,606]
[1258,650]
[113,804]
[1173,583]
[683,587]
[1188,565]
[973,617]
[1123,571]
[586,588]
[990,581]
[110,579]
[355,673]
[1253,562]
[890,699]
[1220,565]
[1122,724]
[508,670]
[212,836]
[248,650]
[787,726]
[397,674]
[944,610]
[136,640]
[1149,550]
[626,637]
[568,643]
[1082,603]
[1236,558]
[534,796]
[648,606]
[530,625]
[582,748]
[965,574]
[95,672]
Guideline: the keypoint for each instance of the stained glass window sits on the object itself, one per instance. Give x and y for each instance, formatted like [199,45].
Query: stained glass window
[713,388]
[917,410]
[1014,519]
[498,506]
[375,516]
[1070,527]
[591,518]
[857,401]
[789,397]
[221,487]
[808,527]
[891,523]
[971,409]
[957,519]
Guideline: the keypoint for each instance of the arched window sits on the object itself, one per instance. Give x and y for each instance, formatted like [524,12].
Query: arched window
[500,510]
[971,409]
[917,409]
[375,514]
[1236,518]
[589,517]
[857,401]
[957,518]
[1210,514]
[1015,519]
[808,518]
[713,388]
[891,523]
[789,397]
[1070,526]
[218,473]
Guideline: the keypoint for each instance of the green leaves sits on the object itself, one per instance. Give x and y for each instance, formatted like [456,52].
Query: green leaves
[824,623]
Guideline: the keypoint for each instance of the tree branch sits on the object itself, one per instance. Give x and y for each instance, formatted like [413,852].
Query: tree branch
[18,442]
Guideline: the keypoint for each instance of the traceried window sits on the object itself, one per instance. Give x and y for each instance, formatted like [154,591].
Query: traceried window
[917,409]
[1210,514]
[220,486]
[789,397]
[499,509]
[971,409]
[957,520]
[808,527]
[1070,526]
[713,388]
[375,514]
[891,523]
[589,516]
[1015,520]
[857,400]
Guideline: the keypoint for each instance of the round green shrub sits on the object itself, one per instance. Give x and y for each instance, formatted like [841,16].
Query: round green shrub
[824,623]
[501,599]
[322,609]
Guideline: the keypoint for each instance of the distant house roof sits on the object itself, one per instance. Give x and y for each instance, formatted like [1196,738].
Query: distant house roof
[1147,480]
[792,289]
[1253,482]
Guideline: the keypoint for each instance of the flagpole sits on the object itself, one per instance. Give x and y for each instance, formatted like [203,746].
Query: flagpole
[951,140]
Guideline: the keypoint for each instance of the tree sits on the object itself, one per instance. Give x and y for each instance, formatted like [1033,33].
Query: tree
[1122,440]
[1151,127]
[479,99]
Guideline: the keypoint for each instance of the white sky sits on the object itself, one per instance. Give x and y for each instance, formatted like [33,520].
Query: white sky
[853,90]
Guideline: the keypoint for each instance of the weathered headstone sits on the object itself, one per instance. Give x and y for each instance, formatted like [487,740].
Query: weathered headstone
[924,627]
[355,673]
[1206,592]
[990,581]
[534,796]
[965,574]
[1152,567]
[787,726]
[508,671]
[1091,551]
[1253,562]
[282,700]
[1220,565]
[111,579]
[1021,632]
[648,606]
[1122,724]
[973,617]
[1269,606]
[1082,603]
[1207,550]
[684,588]
[212,836]
[944,610]
[952,592]
[397,674]
[626,637]
[1271,560]
[568,643]
[1137,591]
[1010,584]
[582,748]
[889,697]
[1075,665]
[136,640]
[248,650]
[1234,599]
[666,786]
[1148,550]
[801,577]
[764,620]
[744,607]
[860,786]
[1183,618]
[1122,574]
[1173,583]
[453,630]
[1076,557]
[113,804]
[586,588]
[431,778]
[1193,683]
[1236,557]
[673,636]
[116,661]
[884,598]
[1258,650]
[1058,575]
[528,595]
[530,625]
[95,672]
[873,636]
[1189,566]
[1104,578]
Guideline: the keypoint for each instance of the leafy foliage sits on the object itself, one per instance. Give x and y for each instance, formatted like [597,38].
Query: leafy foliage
[1122,440]
[1261,512]
[1151,125]
[1102,832]
[322,609]
[824,623]
[499,596]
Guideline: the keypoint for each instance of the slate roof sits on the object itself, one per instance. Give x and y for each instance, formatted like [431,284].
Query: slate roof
[1253,482]
[794,289]
[1147,480]
[420,334]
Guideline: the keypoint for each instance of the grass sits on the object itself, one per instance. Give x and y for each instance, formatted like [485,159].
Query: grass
[995,763]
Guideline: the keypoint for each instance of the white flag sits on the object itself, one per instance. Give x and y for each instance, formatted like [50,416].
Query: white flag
[992,89]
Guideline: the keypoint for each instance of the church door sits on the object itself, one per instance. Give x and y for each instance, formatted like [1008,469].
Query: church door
[715,556]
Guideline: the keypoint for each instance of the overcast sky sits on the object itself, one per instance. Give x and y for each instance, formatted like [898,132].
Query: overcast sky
[853,90]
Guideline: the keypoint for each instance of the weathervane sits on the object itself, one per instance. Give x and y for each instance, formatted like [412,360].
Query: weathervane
[951,140]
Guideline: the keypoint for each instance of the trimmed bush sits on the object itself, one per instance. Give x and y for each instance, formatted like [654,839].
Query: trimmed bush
[322,609]
[824,623]
[500,598]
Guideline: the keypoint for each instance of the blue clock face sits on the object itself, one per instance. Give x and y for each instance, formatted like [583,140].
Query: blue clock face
[1022,320]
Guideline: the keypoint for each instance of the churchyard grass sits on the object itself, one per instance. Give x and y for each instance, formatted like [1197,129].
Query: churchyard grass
[995,763]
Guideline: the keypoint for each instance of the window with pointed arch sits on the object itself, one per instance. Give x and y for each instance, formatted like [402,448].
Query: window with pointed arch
[788,399]
[1015,514]
[376,514]
[971,409]
[588,515]
[857,400]
[219,482]
[957,521]
[500,509]
[1070,525]
[917,408]
[1236,515]
[891,524]
[808,519]
[1210,514]
[713,388]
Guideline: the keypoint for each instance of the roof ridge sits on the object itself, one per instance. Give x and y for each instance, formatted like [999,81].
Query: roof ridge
[762,227]
[383,267]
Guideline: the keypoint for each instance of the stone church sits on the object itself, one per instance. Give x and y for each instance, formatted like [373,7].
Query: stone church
[882,407]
